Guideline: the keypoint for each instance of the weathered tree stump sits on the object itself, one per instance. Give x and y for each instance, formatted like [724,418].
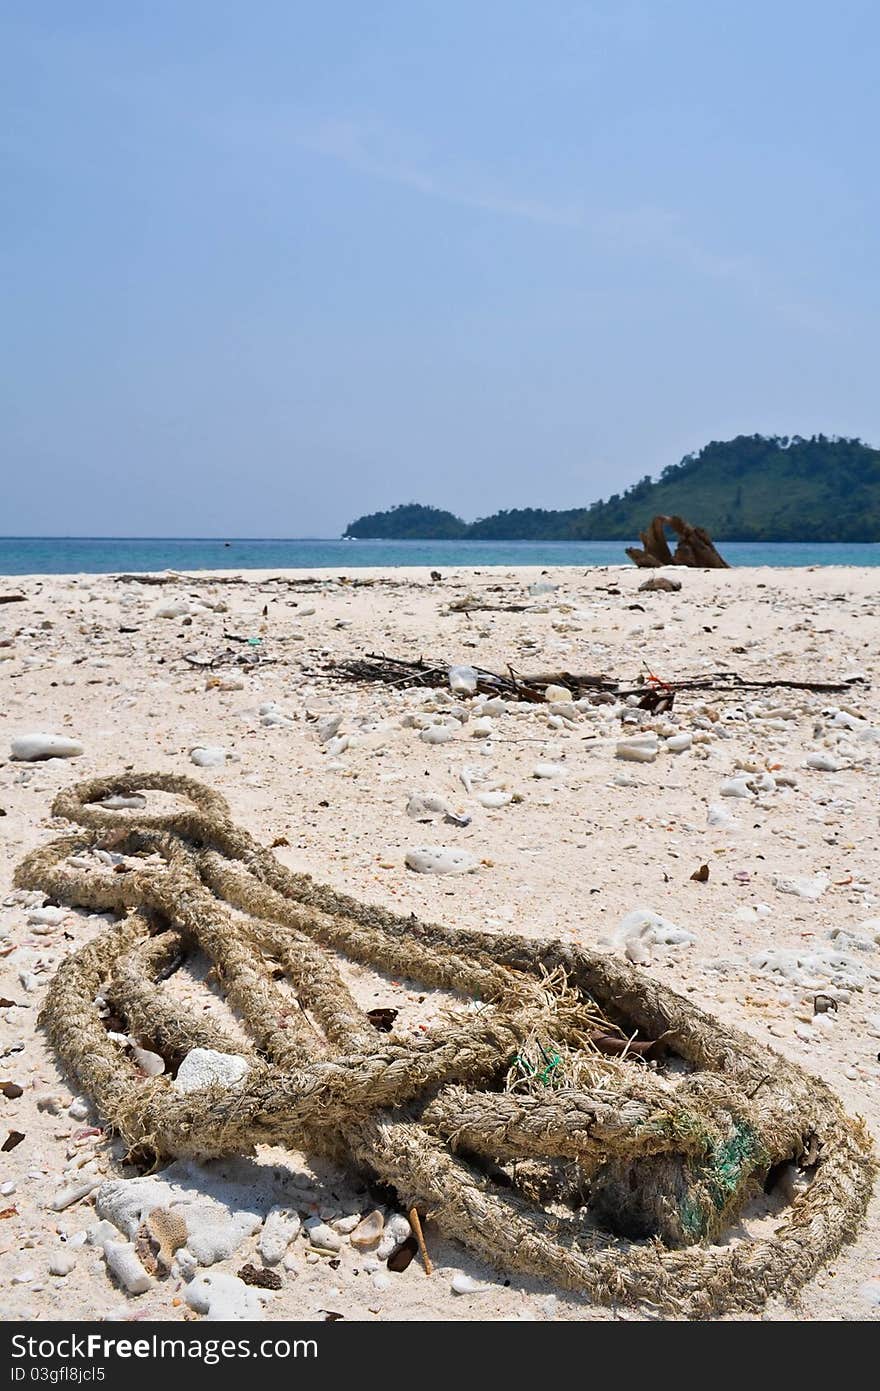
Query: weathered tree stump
[695,547]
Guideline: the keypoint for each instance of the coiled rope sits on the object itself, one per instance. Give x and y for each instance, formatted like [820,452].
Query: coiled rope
[662,1162]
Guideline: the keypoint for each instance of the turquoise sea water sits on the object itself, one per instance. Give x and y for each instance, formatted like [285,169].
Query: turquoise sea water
[106,555]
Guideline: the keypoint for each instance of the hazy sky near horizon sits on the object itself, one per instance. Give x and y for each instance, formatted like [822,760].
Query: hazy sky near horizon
[268,266]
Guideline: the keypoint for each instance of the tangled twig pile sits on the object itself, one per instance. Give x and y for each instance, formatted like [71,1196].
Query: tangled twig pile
[635,1169]
[375,667]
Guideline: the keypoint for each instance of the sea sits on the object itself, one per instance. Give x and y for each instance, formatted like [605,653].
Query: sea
[46,555]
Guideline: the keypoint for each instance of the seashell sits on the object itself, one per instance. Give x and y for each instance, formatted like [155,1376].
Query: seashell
[368,1232]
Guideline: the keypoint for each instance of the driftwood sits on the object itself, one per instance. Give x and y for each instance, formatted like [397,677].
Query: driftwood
[694,547]
[401,672]
[294,584]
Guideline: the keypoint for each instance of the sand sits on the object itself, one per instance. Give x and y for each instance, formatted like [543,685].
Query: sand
[91,658]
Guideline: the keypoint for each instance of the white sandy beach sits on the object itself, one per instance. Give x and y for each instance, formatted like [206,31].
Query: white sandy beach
[570,856]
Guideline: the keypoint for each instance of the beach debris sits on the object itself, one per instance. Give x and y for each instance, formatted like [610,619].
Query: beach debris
[73,1193]
[125,1266]
[811,887]
[281,1227]
[701,875]
[382,1019]
[439,733]
[824,762]
[415,1222]
[738,787]
[208,756]
[694,547]
[322,1237]
[368,1232]
[205,1067]
[175,608]
[402,1256]
[151,1064]
[660,582]
[260,1279]
[494,800]
[463,680]
[649,929]
[327,726]
[679,743]
[657,1146]
[29,748]
[466,1284]
[641,748]
[403,673]
[425,806]
[168,1232]
[440,859]
[221,1298]
[12,598]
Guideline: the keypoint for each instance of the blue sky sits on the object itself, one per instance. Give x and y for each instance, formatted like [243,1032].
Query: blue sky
[267,266]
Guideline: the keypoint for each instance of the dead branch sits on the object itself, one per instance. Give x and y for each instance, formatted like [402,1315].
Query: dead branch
[695,547]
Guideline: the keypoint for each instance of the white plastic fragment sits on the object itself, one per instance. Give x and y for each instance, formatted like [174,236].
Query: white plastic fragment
[462,680]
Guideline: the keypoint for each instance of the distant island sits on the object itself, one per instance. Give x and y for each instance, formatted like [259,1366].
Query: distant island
[752,488]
